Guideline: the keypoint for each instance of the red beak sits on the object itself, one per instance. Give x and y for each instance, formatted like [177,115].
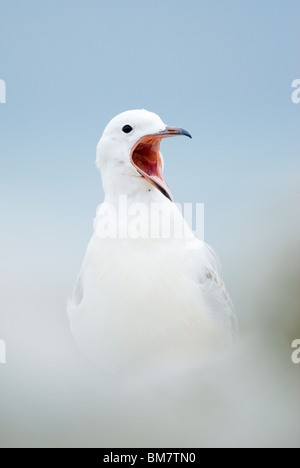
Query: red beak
[146,159]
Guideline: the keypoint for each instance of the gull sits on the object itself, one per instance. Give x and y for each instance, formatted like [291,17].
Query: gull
[146,296]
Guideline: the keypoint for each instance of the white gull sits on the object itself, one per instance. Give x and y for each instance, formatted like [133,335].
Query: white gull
[145,300]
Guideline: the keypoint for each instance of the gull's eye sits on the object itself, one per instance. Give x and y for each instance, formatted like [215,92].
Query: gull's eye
[127,129]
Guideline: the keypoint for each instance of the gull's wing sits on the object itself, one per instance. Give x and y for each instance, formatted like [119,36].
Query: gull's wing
[212,286]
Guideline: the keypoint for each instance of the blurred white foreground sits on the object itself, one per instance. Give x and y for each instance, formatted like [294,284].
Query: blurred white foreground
[51,397]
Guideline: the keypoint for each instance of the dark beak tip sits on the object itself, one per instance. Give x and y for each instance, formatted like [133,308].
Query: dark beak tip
[184,132]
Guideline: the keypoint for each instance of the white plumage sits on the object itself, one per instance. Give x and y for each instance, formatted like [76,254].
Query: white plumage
[145,300]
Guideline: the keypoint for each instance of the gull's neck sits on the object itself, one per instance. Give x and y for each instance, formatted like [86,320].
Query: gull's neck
[135,189]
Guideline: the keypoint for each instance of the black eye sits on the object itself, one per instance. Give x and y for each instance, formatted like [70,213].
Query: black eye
[127,129]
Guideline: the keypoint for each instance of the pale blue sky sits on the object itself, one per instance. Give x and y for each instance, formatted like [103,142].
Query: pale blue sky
[221,69]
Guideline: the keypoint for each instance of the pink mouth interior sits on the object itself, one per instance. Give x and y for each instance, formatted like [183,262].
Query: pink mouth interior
[146,159]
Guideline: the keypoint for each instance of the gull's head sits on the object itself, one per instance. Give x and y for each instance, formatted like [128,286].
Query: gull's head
[128,153]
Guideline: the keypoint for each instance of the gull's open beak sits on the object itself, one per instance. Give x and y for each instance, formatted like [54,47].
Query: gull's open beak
[145,157]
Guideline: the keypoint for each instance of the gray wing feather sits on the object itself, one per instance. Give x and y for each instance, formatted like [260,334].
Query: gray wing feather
[215,293]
